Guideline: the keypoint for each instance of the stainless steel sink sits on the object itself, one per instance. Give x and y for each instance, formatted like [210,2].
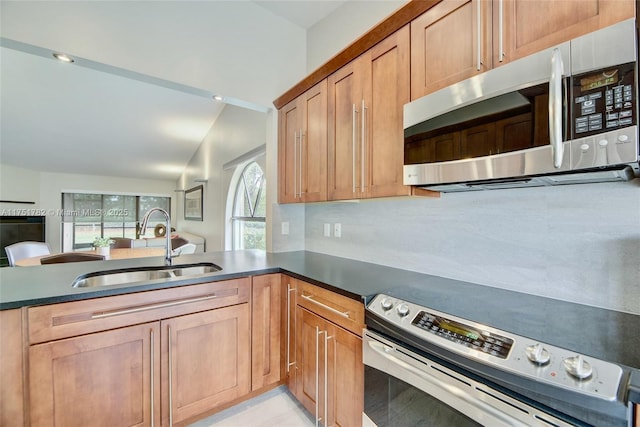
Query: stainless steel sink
[142,274]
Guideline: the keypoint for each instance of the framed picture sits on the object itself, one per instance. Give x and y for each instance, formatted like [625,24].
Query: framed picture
[193,203]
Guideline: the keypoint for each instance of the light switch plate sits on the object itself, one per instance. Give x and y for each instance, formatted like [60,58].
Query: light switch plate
[327,230]
[285,228]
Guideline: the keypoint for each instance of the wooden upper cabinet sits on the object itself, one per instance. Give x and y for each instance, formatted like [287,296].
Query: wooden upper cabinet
[345,100]
[289,129]
[449,43]
[530,26]
[457,39]
[366,99]
[386,91]
[302,147]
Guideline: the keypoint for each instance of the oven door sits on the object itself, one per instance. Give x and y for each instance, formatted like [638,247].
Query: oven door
[403,388]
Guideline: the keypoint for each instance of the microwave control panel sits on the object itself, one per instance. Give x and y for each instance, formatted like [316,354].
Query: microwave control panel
[604,100]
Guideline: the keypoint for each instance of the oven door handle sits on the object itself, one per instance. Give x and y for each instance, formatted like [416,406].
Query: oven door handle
[385,351]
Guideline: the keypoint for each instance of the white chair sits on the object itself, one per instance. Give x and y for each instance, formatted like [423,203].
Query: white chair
[187,248]
[22,250]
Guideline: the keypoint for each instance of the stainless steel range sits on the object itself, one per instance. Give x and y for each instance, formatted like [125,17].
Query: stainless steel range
[426,366]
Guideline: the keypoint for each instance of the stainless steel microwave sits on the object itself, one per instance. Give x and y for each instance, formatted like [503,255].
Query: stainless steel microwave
[565,115]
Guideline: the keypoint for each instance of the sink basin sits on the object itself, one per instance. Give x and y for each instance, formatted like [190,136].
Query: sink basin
[142,274]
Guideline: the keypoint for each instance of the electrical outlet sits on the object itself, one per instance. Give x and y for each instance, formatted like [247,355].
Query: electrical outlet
[327,230]
[337,229]
[285,228]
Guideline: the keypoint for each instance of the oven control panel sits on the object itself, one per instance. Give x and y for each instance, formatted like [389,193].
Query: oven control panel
[500,349]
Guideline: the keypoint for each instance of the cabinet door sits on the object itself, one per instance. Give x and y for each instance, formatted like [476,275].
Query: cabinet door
[345,379]
[530,26]
[207,356]
[289,154]
[310,358]
[289,365]
[103,379]
[449,43]
[11,368]
[314,144]
[345,109]
[265,330]
[386,90]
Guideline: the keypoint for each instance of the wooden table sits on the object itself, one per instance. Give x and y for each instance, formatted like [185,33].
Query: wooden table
[118,253]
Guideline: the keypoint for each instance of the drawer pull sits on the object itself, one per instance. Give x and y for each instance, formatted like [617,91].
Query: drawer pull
[102,315]
[341,313]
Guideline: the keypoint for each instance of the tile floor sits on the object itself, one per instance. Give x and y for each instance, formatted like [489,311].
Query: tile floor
[273,408]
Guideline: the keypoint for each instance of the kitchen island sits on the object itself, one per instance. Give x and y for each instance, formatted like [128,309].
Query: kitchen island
[603,334]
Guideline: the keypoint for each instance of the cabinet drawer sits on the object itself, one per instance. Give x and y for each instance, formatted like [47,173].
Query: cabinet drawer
[56,321]
[337,308]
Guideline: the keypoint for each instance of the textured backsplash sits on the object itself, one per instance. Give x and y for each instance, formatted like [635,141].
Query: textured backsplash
[578,243]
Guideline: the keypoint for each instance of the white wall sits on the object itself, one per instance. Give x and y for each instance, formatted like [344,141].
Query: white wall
[235,132]
[18,184]
[46,190]
[343,26]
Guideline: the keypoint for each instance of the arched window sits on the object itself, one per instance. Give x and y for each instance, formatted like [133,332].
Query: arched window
[249,209]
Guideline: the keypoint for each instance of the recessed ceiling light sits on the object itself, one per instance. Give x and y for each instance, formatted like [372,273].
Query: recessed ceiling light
[218,97]
[62,57]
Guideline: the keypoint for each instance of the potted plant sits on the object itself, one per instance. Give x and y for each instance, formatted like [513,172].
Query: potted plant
[102,245]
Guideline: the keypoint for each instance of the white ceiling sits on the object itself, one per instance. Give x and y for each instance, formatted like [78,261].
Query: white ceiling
[92,118]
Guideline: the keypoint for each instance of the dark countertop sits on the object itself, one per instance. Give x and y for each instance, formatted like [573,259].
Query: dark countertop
[604,334]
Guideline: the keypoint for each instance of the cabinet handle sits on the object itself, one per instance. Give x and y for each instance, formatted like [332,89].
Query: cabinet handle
[479,34]
[318,333]
[300,168]
[500,31]
[103,314]
[289,363]
[353,147]
[327,337]
[295,164]
[341,313]
[169,343]
[555,108]
[152,364]
[363,155]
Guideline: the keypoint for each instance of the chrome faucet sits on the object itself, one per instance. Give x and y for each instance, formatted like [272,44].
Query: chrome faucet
[143,229]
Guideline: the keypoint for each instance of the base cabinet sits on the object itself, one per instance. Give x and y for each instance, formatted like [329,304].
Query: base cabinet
[206,361]
[194,356]
[265,330]
[103,379]
[326,373]
[12,385]
[331,375]
[289,365]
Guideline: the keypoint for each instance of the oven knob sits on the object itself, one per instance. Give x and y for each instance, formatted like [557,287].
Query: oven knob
[578,367]
[403,310]
[538,354]
[386,304]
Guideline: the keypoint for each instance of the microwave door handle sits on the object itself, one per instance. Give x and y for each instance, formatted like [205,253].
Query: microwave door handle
[555,108]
